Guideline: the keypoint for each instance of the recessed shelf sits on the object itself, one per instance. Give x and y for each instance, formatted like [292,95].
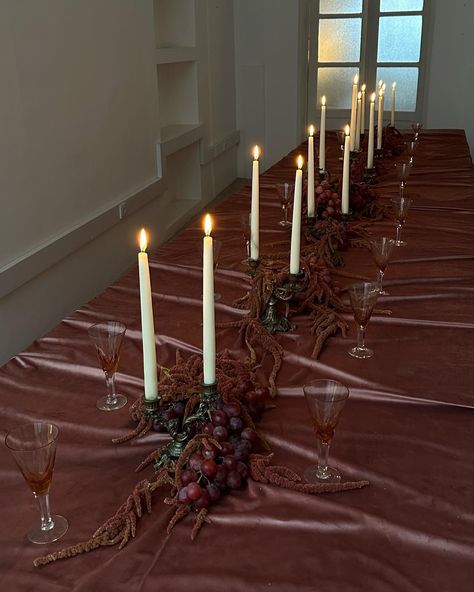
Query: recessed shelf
[177,93]
[178,136]
[175,54]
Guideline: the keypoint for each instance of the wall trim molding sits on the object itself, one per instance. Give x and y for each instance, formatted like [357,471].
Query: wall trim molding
[34,262]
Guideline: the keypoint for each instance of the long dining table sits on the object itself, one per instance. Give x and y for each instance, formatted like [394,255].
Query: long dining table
[407,426]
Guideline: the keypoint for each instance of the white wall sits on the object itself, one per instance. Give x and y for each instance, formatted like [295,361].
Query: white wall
[450,83]
[79,124]
[270,93]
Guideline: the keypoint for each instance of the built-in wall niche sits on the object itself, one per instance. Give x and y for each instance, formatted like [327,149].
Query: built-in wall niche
[177,92]
[174,23]
[183,173]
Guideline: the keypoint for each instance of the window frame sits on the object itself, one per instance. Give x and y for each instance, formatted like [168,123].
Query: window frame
[368,64]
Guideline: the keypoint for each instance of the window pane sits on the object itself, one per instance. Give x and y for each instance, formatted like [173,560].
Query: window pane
[399,39]
[339,6]
[406,89]
[400,5]
[336,84]
[339,40]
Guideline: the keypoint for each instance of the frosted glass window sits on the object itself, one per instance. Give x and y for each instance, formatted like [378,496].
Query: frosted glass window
[336,84]
[399,39]
[400,5]
[406,89]
[340,6]
[339,40]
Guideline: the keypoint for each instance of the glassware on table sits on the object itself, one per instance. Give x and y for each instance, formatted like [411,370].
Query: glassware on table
[107,338]
[285,192]
[416,127]
[341,138]
[33,447]
[325,399]
[381,248]
[245,228]
[403,169]
[363,297]
[411,148]
[400,207]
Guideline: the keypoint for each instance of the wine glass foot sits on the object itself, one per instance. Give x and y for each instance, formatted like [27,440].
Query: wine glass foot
[217,296]
[400,243]
[285,223]
[42,537]
[317,475]
[361,352]
[383,293]
[106,404]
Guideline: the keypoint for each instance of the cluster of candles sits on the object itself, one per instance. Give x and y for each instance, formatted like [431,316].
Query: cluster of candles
[351,144]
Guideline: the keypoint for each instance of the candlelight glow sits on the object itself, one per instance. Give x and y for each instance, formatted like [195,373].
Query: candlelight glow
[363,87]
[323,100]
[207,224]
[384,86]
[380,83]
[347,130]
[299,161]
[356,79]
[380,93]
[372,98]
[256,152]
[143,240]
[394,84]
[311,130]
[359,95]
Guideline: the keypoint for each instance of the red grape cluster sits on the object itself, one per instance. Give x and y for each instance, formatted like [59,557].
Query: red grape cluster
[213,470]
[328,201]
[361,197]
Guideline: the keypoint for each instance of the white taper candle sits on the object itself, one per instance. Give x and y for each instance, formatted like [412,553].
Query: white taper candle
[255,207]
[322,136]
[392,117]
[208,321]
[346,172]
[355,88]
[370,149]
[311,172]
[296,221]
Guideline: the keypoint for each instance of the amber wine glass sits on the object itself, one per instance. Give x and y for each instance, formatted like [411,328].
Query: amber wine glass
[400,207]
[33,447]
[381,248]
[363,297]
[403,172]
[285,193]
[107,338]
[325,399]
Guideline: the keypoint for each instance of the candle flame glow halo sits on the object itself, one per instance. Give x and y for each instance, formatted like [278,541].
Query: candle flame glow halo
[256,152]
[323,100]
[363,87]
[299,161]
[359,95]
[372,97]
[356,79]
[207,224]
[347,130]
[143,240]
[311,130]
[394,84]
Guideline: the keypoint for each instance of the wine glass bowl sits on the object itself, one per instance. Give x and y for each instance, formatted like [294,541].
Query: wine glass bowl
[400,207]
[325,400]
[410,148]
[416,127]
[33,447]
[245,229]
[381,249]
[363,297]
[285,192]
[403,169]
[107,338]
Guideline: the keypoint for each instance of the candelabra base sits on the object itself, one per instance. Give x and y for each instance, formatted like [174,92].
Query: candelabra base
[293,285]
[323,175]
[252,267]
[370,176]
[378,153]
[272,319]
[345,218]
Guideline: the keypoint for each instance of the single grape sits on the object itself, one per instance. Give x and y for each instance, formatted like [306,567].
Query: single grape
[214,492]
[207,428]
[188,476]
[195,461]
[203,502]
[243,470]
[262,393]
[209,453]
[194,491]
[234,480]
[183,496]
[226,449]
[232,409]
[219,417]
[230,462]
[178,408]
[209,468]
[220,433]
[236,424]
[250,435]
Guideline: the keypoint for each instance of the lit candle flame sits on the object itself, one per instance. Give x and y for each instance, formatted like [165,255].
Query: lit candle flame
[323,100]
[380,93]
[363,87]
[372,98]
[143,240]
[347,130]
[299,161]
[207,224]
[359,96]
[311,130]
[394,84]
[356,79]
[384,87]
[256,152]
[380,83]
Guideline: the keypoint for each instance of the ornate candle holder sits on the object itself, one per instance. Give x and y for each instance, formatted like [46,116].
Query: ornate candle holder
[252,267]
[378,153]
[322,175]
[273,320]
[370,176]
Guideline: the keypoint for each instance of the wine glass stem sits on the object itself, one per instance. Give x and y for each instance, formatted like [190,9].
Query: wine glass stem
[110,380]
[402,187]
[285,213]
[247,246]
[380,280]
[399,232]
[45,512]
[323,456]
[360,337]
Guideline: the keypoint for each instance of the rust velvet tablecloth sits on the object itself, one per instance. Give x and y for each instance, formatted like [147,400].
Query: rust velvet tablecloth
[407,427]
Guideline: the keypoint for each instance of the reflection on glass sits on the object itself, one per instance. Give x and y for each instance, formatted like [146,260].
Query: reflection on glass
[336,84]
[400,5]
[339,6]
[399,39]
[339,40]
[407,86]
